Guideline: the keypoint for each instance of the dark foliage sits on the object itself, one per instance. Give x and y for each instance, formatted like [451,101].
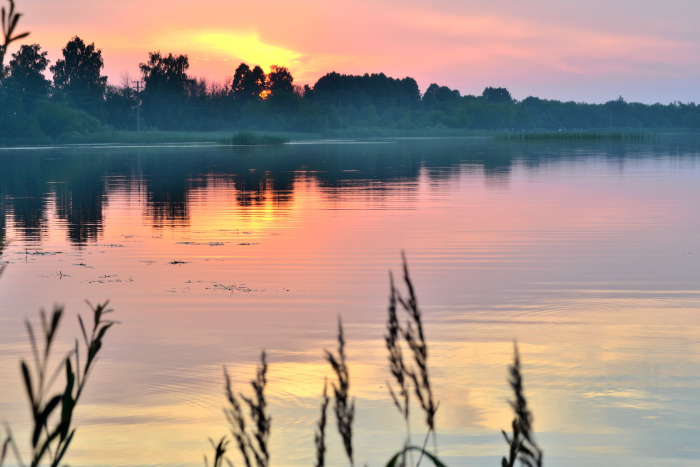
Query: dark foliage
[165,100]
[496,95]
[26,79]
[280,79]
[248,85]
[77,77]
[253,101]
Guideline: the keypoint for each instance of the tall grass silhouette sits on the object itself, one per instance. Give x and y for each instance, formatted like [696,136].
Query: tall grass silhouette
[407,348]
[52,430]
[320,435]
[250,422]
[522,442]
[252,442]
[344,408]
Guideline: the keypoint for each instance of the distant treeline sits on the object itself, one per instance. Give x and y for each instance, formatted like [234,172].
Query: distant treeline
[165,97]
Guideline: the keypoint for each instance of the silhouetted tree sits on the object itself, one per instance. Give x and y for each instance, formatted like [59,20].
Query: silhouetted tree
[496,95]
[248,84]
[77,76]
[26,74]
[120,103]
[165,91]
[165,74]
[373,97]
[280,79]
[440,94]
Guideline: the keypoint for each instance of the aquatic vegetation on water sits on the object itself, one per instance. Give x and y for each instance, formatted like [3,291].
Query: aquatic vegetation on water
[577,136]
[248,138]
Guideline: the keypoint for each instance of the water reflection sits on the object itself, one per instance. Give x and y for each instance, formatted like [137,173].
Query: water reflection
[586,253]
[77,183]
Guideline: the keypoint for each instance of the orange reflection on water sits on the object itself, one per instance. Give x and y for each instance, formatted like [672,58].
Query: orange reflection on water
[586,269]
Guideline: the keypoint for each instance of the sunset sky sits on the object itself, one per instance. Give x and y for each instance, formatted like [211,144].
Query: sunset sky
[597,50]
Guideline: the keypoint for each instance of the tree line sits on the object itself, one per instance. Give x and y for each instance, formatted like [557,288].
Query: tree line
[80,100]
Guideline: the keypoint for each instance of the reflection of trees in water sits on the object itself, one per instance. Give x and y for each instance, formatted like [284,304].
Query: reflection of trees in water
[28,215]
[169,179]
[166,201]
[80,205]
[30,184]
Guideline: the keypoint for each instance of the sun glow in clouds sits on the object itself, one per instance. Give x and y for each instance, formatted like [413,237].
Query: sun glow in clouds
[247,47]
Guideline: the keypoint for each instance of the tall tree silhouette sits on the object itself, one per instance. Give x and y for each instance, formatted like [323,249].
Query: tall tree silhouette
[26,74]
[78,76]
[165,92]
[280,79]
[248,84]
[436,95]
[496,95]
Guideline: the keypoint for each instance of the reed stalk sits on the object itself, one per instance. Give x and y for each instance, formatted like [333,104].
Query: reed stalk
[219,453]
[320,435]
[252,443]
[9,22]
[51,437]
[417,373]
[344,408]
[522,443]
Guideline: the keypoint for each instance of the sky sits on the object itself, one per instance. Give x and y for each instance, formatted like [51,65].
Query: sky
[586,51]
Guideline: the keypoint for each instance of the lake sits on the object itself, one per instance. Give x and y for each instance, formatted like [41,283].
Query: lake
[587,253]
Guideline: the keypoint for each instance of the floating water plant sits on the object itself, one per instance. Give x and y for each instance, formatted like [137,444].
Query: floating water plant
[248,138]
[575,136]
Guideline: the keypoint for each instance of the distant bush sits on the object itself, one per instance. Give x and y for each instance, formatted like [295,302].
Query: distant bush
[58,119]
[248,138]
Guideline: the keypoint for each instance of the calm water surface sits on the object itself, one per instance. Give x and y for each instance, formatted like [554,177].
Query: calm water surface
[588,254]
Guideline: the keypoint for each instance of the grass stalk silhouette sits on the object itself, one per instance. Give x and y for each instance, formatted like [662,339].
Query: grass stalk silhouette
[410,377]
[416,373]
[522,443]
[252,443]
[9,22]
[344,408]
[52,414]
[219,453]
[320,435]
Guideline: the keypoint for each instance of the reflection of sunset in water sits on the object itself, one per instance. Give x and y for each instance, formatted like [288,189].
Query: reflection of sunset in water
[593,269]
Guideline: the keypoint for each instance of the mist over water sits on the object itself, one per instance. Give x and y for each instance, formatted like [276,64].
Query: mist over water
[588,254]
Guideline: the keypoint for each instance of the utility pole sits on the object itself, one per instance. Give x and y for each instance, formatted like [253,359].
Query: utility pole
[138,106]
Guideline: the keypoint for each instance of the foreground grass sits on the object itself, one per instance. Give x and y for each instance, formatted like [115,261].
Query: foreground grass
[248,416]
